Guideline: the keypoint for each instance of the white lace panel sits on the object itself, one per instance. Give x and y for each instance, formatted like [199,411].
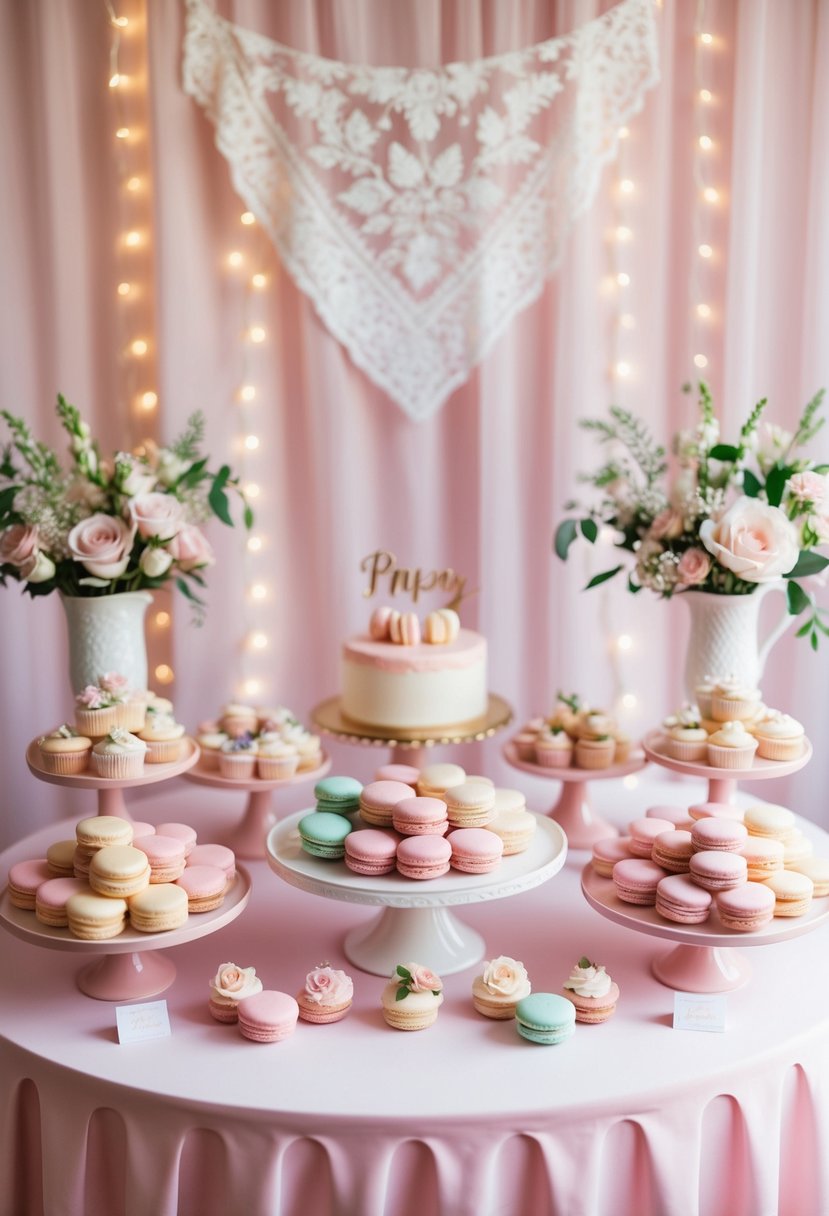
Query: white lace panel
[420,210]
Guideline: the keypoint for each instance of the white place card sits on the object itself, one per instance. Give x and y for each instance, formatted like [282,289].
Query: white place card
[139,1022]
[700,1011]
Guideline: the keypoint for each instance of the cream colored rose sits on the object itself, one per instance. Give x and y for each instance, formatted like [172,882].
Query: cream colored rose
[233,983]
[754,540]
[38,569]
[155,514]
[505,976]
[155,562]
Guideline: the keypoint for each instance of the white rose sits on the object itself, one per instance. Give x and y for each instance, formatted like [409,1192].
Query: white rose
[505,975]
[134,477]
[155,562]
[38,569]
[170,467]
[754,540]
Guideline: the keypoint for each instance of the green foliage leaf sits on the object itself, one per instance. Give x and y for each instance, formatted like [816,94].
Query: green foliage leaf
[597,579]
[724,451]
[584,962]
[402,993]
[804,629]
[796,598]
[808,563]
[7,499]
[752,485]
[403,972]
[188,592]
[633,588]
[248,517]
[566,533]
[776,483]
[217,497]
[814,641]
[589,530]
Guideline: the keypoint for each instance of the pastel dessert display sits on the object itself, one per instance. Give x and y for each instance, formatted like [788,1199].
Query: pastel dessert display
[636,880]
[716,810]
[179,831]
[95,918]
[371,851]
[798,848]
[545,1018]
[229,986]
[323,833]
[64,752]
[164,738]
[165,855]
[595,753]
[276,759]
[733,701]
[763,857]
[512,822]
[591,991]
[267,1016]
[643,834]
[51,899]
[720,835]
[211,742]
[406,773]
[687,739]
[500,986]
[424,857]
[24,879]
[769,821]
[817,869]
[326,996]
[218,855]
[60,858]
[792,892]
[473,850]
[673,850]
[718,871]
[574,733]
[679,816]
[747,907]
[95,712]
[119,755]
[412,997]
[607,851]
[244,742]
[98,831]
[552,747]
[399,677]
[731,746]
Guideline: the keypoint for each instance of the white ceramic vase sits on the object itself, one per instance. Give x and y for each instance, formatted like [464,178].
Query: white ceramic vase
[724,635]
[106,633]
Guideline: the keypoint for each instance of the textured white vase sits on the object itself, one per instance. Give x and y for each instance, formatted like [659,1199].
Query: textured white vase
[724,635]
[106,633]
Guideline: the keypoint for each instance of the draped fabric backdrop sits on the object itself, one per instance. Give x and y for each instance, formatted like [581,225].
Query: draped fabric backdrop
[342,471]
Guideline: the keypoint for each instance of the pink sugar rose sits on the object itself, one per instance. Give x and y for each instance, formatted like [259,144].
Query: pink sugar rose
[328,987]
[156,514]
[91,697]
[102,543]
[113,682]
[693,568]
[424,980]
[756,541]
[190,548]
[18,544]
[667,525]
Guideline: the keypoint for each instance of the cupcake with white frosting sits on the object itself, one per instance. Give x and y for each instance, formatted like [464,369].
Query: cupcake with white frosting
[779,737]
[119,754]
[164,738]
[64,752]
[553,748]
[276,760]
[731,746]
[733,701]
[237,758]
[687,739]
[211,742]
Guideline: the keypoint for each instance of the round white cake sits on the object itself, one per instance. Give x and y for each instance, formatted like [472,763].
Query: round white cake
[419,687]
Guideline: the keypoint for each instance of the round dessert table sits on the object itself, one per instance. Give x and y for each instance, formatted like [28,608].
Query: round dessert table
[574,808]
[416,921]
[629,1118]
[247,837]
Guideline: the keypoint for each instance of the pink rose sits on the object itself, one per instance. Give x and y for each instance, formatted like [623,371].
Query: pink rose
[756,541]
[91,697]
[113,682]
[102,543]
[236,982]
[424,980]
[156,514]
[190,548]
[667,525]
[693,568]
[18,544]
[328,987]
[808,487]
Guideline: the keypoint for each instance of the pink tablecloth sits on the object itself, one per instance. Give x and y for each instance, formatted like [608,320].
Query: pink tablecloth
[465,1119]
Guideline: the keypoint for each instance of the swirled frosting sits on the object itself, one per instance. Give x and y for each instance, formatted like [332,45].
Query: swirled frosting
[588,979]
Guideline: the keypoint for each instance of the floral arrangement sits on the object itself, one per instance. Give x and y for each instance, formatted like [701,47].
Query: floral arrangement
[103,526]
[723,518]
[415,978]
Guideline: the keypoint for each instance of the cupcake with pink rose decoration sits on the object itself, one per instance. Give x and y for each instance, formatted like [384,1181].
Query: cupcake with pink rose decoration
[412,997]
[327,995]
[500,986]
[229,986]
[96,712]
[130,711]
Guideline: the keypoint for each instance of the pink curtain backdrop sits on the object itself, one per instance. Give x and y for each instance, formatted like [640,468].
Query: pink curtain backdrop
[342,472]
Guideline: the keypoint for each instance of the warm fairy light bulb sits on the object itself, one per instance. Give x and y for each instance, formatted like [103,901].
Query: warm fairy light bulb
[122,133]
[259,281]
[703,310]
[252,489]
[235,258]
[257,334]
[706,95]
[149,400]
[626,186]
[624,132]
[133,239]
[124,289]
[247,218]
[627,320]
[706,142]
[706,39]
[162,620]
[139,347]
[164,673]
[254,544]
[622,369]
[630,700]
[251,442]
[700,361]
[121,22]
[258,641]
[251,687]
[623,233]
[623,279]
[258,591]
[711,194]
[247,392]
[624,641]
[115,79]
[705,251]
[134,183]
[630,782]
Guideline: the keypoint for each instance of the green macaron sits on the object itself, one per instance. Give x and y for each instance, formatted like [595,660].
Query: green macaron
[544,1017]
[323,835]
[341,795]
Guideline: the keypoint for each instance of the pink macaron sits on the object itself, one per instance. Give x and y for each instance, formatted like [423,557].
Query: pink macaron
[716,810]
[139,828]
[165,855]
[378,800]
[673,851]
[636,880]
[180,831]
[719,835]
[643,832]
[371,851]
[215,855]
[746,907]
[717,870]
[24,879]
[679,899]
[607,852]
[676,815]
[475,850]
[424,857]
[205,887]
[420,817]
[406,773]
[51,897]
[267,1016]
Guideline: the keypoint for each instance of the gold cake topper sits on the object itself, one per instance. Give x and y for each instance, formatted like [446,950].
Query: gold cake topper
[382,564]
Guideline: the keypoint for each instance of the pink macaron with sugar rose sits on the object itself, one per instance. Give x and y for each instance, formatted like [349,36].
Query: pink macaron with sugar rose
[205,887]
[678,816]
[420,816]
[326,997]
[679,899]
[424,857]
[371,851]
[723,835]
[475,850]
[716,810]
[745,908]
[643,832]
[267,1016]
[636,880]
[718,870]
[673,851]
[182,832]
[378,800]
[215,855]
[406,773]
[607,852]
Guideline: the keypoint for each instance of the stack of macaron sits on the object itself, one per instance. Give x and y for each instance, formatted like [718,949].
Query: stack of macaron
[747,864]
[729,725]
[244,742]
[238,996]
[574,734]
[116,874]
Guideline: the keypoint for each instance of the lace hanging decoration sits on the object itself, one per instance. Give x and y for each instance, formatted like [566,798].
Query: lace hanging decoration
[420,210]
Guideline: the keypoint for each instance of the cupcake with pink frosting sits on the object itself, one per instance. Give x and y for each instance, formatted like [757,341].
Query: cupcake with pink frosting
[327,995]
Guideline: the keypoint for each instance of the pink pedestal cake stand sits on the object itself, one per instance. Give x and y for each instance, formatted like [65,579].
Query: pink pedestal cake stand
[247,839]
[573,810]
[406,745]
[722,782]
[110,789]
[129,966]
[705,959]
[416,921]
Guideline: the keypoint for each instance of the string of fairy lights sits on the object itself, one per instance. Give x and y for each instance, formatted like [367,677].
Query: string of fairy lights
[706,260]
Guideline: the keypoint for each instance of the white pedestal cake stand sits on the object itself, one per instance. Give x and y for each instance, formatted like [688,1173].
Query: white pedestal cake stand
[129,966]
[247,839]
[704,959]
[110,789]
[416,921]
[406,745]
[722,782]
[573,810]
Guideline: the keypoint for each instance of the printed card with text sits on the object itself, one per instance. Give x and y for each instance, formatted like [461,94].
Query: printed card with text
[700,1011]
[136,1023]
